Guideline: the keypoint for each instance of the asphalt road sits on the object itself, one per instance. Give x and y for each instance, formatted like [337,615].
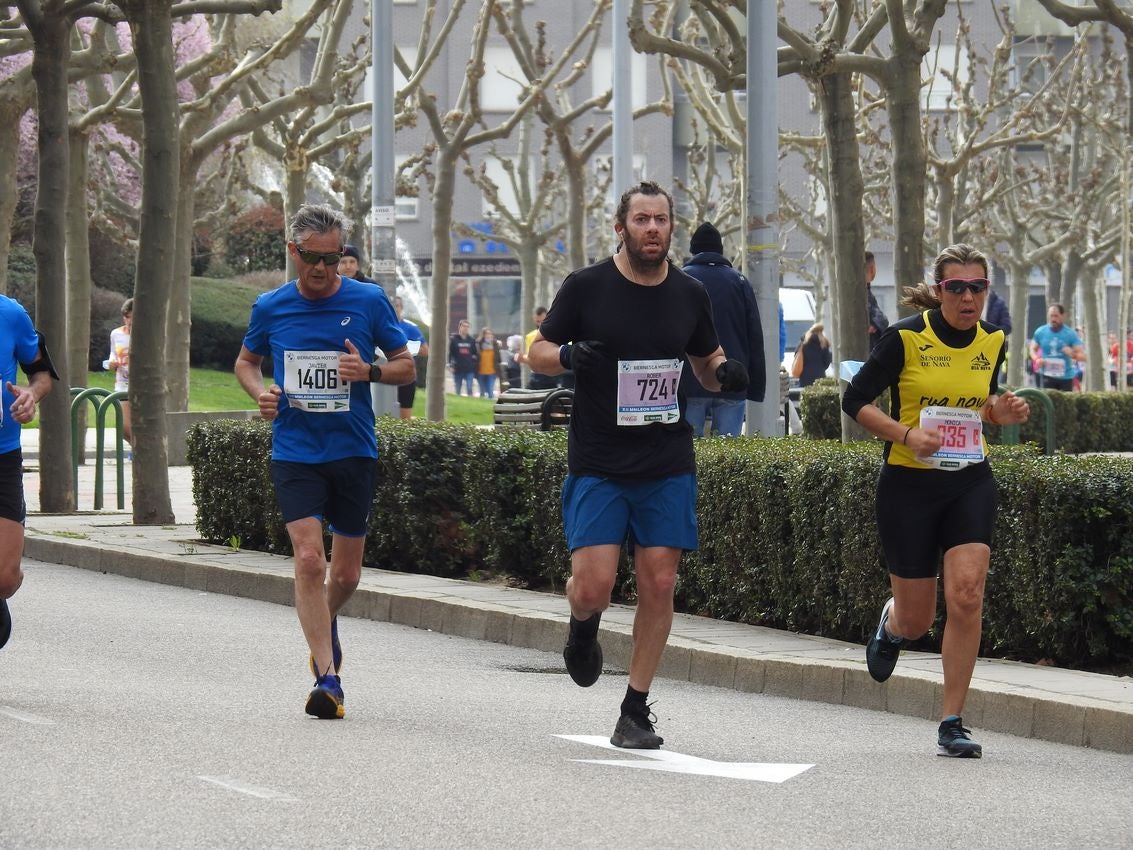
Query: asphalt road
[138,715]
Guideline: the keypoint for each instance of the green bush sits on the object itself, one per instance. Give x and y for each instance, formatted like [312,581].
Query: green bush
[21,277]
[787,529]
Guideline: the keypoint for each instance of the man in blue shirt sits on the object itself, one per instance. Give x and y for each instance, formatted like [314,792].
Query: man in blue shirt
[320,330]
[406,393]
[1056,349]
[21,345]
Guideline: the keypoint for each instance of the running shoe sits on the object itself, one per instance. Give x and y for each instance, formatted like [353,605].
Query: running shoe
[882,650]
[335,648]
[326,700]
[5,622]
[583,659]
[635,731]
[954,741]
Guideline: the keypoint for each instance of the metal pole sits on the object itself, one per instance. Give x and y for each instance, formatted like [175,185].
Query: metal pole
[761,254]
[383,251]
[623,99]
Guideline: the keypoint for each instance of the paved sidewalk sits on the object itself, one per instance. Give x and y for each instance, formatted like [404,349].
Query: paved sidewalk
[1066,706]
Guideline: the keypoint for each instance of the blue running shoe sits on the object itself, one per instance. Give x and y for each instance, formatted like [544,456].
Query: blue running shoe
[326,700]
[954,741]
[882,650]
[335,648]
[5,622]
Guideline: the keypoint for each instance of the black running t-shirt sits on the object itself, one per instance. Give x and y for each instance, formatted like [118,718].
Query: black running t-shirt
[638,324]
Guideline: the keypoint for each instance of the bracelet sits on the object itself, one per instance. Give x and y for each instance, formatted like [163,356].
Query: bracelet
[905,439]
[991,414]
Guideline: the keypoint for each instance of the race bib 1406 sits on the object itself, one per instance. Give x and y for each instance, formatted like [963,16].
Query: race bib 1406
[311,382]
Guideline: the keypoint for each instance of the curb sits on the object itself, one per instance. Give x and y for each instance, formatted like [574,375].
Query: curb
[1017,710]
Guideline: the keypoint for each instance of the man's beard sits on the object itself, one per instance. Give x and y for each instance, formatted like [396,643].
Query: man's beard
[639,261]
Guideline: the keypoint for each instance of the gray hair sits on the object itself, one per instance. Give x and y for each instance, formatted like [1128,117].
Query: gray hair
[310,219]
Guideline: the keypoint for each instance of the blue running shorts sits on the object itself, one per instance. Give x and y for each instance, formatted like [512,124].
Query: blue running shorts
[341,491]
[653,512]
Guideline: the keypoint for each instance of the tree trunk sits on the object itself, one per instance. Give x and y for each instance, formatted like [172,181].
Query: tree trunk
[49,70]
[575,172]
[178,319]
[151,26]
[442,266]
[909,164]
[1094,332]
[1018,344]
[10,113]
[78,271]
[529,265]
[846,188]
[295,166]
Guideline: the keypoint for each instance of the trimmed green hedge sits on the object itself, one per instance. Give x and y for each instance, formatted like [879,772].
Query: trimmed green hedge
[787,529]
[1084,422]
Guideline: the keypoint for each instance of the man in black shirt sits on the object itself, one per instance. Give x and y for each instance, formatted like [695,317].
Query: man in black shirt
[624,326]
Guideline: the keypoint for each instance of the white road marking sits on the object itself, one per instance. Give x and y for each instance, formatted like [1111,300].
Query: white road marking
[671,762]
[245,788]
[33,719]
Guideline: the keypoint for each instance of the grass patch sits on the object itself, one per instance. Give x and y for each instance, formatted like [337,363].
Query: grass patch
[459,409]
[209,389]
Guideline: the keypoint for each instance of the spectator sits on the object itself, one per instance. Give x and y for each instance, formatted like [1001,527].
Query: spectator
[119,363]
[739,332]
[462,357]
[351,265]
[878,321]
[537,381]
[488,362]
[813,356]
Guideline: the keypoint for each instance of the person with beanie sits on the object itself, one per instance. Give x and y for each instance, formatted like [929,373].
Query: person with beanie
[351,265]
[740,332]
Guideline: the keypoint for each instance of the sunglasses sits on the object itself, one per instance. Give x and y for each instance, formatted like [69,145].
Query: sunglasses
[959,285]
[312,258]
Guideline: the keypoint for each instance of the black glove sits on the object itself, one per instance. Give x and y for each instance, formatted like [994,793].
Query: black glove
[585,356]
[732,375]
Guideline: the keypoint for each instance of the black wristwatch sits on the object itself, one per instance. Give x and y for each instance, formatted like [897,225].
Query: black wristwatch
[375,373]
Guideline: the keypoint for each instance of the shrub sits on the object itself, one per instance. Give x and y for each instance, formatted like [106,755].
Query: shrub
[21,277]
[113,261]
[787,528]
[257,241]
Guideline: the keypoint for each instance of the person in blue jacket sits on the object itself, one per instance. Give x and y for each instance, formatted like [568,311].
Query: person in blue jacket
[741,336]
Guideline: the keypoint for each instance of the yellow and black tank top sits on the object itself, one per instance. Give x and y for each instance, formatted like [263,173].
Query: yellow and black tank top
[926,362]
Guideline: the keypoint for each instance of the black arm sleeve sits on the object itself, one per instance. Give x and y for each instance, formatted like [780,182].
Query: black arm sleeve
[881,370]
[42,363]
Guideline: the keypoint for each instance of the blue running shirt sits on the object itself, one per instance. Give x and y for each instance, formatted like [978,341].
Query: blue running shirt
[19,344]
[309,334]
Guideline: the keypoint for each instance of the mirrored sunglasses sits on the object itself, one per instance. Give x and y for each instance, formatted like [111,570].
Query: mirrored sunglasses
[313,258]
[959,285]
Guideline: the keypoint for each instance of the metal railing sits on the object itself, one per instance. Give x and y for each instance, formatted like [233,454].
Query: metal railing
[1009,434]
[103,400]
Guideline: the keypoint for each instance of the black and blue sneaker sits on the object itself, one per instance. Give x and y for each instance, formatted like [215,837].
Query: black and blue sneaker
[5,622]
[954,741]
[326,701]
[882,650]
[335,647]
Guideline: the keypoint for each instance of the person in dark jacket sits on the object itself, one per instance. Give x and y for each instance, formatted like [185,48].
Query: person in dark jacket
[997,312]
[878,321]
[737,325]
[815,352]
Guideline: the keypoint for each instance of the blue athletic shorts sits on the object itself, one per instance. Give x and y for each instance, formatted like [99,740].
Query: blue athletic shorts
[12,486]
[654,512]
[341,491]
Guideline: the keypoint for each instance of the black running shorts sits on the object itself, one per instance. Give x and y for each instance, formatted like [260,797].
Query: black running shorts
[12,486]
[924,513]
[340,491]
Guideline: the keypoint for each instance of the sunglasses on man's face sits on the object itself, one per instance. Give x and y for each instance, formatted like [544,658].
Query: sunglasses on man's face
[959,285]
[312,258]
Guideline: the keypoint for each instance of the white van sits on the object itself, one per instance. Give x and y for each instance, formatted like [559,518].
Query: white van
[798,312]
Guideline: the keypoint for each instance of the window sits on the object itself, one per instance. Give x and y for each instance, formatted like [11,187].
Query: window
[946,71]
[502,81]
[602,75]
